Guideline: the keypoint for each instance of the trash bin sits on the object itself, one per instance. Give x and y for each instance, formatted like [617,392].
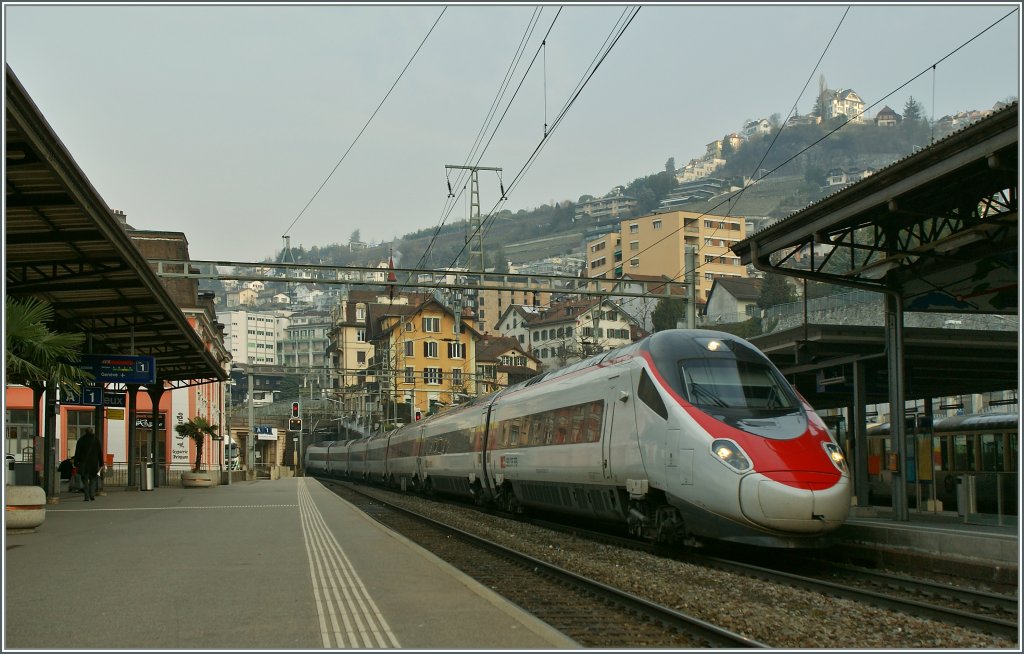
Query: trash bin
[146,478]
[966,498]
[9,460]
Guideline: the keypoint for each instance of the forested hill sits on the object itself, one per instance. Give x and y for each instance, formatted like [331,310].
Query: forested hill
[798,159]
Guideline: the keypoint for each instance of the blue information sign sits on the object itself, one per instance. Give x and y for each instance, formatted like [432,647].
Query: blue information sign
[120,368]
[91,396]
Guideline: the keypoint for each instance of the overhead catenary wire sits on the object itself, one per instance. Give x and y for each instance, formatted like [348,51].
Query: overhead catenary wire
[735,198]
[847,122]
[367,124]
[502,88]
[610,41]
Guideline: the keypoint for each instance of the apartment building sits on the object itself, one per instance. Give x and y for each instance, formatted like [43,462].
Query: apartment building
[655,245]
[250,336]
[305,341]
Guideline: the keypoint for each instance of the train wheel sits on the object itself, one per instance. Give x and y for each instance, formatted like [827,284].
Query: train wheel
[508,501]
[478,494]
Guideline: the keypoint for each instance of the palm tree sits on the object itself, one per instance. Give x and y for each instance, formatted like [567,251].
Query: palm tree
[197,429]
[34,353]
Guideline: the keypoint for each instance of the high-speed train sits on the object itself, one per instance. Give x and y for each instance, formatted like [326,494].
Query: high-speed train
[683,436]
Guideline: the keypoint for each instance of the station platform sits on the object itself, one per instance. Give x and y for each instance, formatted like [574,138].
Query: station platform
[281,564]
[981,547]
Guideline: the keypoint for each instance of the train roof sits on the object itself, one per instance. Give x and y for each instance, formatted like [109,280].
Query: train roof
[970,422]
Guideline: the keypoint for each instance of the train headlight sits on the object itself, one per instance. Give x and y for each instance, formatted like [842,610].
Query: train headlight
[730,454]
[836,456]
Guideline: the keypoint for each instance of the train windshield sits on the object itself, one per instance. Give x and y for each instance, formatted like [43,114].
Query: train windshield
[728,383]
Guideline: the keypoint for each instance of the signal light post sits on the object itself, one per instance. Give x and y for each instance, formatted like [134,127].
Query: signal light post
[295,425]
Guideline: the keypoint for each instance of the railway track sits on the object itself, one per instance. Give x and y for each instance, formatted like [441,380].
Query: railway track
[992,613]
[591,613]
[853,589]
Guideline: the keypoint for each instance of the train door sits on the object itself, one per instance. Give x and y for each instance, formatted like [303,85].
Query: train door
[620,422]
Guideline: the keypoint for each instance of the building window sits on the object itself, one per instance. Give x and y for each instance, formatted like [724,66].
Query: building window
[361,358]
[456,350]
[410,375]
[634,228]
[409,351]
[634,246]
[360,313]
[430,349]
[432,325]
[634,263]
[656,224]
[431,375]
[360,335]
[456,376]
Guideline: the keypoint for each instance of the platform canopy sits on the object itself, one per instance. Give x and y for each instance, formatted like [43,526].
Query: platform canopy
[938,227]
[64,245]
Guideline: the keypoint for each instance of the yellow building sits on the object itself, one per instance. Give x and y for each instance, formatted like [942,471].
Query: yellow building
[655,245]
[421,360]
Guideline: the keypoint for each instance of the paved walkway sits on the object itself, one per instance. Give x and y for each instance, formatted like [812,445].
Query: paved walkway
[281,564]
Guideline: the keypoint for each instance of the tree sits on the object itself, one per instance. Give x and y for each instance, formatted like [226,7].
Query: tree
[668,314]
[775,290]
[35,353]
[197,429]
[912,112]
[355,237]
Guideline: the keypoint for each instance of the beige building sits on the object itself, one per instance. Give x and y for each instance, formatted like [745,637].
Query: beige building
[491,304]
[655,245]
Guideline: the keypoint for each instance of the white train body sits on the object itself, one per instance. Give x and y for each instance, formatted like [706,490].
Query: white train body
[682,435]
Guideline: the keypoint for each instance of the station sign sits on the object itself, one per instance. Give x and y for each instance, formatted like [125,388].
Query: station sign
[120,368]
[94,396]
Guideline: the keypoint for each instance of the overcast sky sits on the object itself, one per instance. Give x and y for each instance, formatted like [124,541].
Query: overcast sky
[223,121]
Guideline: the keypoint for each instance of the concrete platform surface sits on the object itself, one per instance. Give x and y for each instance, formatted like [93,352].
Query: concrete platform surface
[281,564]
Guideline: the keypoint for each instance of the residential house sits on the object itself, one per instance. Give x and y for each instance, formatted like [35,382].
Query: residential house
[732,300]
[501,362]
[886,117]
[570,331]
[844,102]
[423,357]
[756,127]
[243,297]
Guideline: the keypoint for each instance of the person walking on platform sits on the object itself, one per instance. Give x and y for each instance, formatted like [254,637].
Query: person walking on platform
[88,460]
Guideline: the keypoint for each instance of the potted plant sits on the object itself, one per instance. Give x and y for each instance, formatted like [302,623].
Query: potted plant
[197,429]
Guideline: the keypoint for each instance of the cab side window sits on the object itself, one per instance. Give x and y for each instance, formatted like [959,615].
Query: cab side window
[648,393]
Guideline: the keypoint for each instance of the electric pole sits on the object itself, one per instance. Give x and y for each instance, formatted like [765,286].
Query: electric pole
[474,228]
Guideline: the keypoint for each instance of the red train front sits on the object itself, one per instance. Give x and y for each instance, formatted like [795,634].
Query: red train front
[765,469]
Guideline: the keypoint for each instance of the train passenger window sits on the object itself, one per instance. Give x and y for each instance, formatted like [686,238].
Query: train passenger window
[991,453]
[648,393]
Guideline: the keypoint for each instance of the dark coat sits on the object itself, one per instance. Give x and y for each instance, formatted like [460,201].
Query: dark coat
[88,455]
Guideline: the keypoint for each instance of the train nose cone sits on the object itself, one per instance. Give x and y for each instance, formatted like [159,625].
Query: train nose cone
[806,502]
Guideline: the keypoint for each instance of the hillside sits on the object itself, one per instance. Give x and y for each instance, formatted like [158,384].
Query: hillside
[798,161]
